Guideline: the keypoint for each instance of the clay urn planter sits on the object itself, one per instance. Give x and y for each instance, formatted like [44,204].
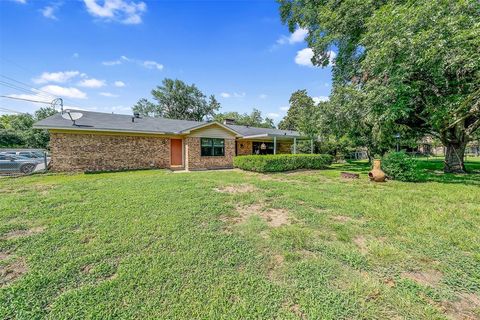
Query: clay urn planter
[377,174]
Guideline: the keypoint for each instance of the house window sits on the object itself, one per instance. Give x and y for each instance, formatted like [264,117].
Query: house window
[212,147]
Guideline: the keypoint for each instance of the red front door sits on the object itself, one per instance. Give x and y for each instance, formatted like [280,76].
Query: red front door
[176,152]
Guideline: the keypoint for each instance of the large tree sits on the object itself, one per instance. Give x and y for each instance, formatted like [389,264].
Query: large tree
[16,129]
[298,101]
[254,119]
[415,64]
[178,100]
[302,115]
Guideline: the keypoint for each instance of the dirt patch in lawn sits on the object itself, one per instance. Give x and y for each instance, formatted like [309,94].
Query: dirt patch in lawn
[466,307]
[343,219]
[12,271]
[295,309]
[361,243]
[43,189]
[427,278]
[276,262]
[273,217]
[240,188]
[101,271]
[14,234]
[4,256]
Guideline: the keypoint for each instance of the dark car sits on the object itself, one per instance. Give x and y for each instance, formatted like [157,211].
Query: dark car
[34,155]
[13,163]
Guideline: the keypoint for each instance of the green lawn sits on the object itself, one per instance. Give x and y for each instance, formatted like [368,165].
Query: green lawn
[235,245]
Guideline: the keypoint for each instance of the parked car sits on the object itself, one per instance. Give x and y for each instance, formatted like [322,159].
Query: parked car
[27,154]
[13,163]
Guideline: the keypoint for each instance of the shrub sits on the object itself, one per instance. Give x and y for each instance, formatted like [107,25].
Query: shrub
[400,166]
[282,162]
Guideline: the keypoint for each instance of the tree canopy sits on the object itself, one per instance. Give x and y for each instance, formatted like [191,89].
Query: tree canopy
[302,115]
[254,119]
[16,129]
[178,100]
[410,66]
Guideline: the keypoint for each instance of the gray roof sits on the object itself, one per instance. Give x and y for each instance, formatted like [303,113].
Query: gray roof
[254,131]
[98,121]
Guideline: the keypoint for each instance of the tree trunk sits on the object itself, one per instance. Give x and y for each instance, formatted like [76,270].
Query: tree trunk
[454,155]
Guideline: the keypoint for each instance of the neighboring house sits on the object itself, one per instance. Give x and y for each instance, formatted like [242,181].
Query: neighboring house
[429,146]
[103,141]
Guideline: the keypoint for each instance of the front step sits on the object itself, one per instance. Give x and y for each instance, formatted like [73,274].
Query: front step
[177,168]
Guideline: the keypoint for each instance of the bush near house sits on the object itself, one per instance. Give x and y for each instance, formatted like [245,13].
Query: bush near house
[400,166]
[282,162]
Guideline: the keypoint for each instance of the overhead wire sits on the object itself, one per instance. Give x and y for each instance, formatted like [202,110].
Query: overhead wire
[29,87]
[46,94]
[24,99]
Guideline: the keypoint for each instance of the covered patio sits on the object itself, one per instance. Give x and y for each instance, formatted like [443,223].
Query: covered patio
[271,143]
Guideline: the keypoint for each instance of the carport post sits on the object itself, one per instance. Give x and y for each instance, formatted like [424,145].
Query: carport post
[274,145]
[45,160]
[311,146]
[294,145]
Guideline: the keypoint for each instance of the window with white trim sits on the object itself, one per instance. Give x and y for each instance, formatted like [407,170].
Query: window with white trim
[212,147]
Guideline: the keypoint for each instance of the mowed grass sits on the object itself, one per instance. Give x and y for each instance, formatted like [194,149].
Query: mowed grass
[237,245]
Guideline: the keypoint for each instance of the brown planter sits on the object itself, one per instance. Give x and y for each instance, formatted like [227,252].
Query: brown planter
[377,174]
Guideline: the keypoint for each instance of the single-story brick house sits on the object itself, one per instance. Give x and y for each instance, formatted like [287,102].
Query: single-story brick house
[104,141]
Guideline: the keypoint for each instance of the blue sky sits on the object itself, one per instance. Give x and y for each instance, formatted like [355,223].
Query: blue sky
[105,55]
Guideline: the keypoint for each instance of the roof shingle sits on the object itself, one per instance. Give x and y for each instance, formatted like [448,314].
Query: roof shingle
[99,121]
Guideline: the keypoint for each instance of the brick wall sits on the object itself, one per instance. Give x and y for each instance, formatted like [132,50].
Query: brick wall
[244,148]
[95,152]
[194,161]
[284,147]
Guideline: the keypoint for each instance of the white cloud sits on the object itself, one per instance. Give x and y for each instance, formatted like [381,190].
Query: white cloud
[92,83]
[49,12]
[111,63]
[296,37]
[20,1]
[273,115]
[152,65]
[59,77]
[320,99]
[123,11]
[64,92]
[149,64]
[119,84]
[284,108]
[263,96]
[304,57]
[108,94]
[233,95]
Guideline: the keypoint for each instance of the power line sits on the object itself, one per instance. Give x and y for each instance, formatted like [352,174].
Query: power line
[31,92]
[47,95]
[30,100]
[28,86]
[10,110]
